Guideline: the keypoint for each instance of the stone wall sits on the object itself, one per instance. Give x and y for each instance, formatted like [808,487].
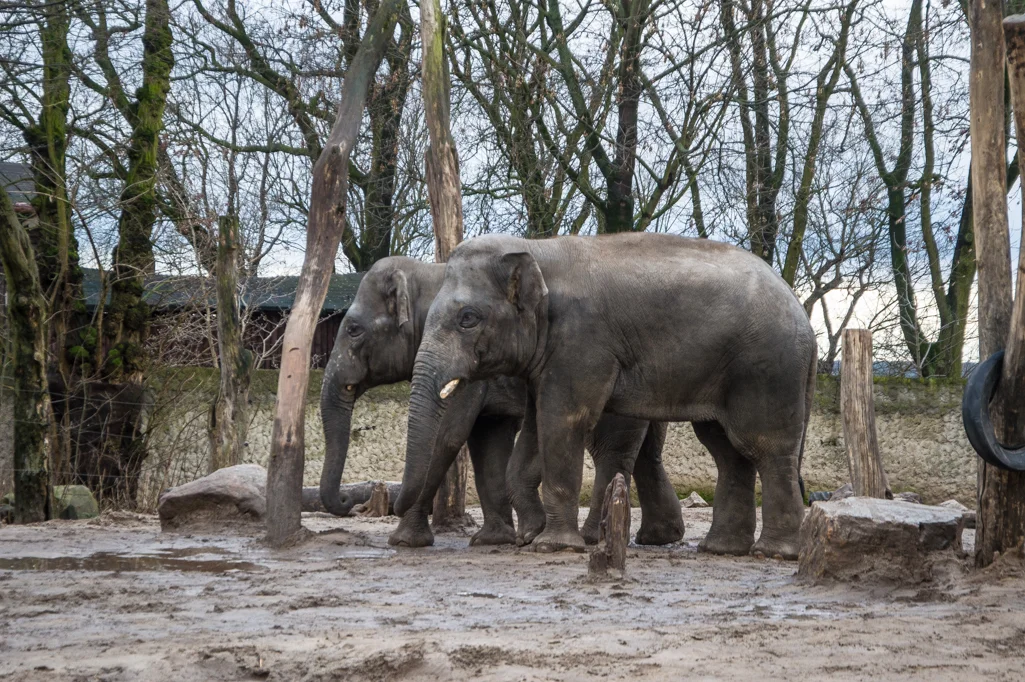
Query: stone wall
[923,444]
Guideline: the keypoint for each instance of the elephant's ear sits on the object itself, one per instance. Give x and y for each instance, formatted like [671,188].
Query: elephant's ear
[401,300]
[525,285]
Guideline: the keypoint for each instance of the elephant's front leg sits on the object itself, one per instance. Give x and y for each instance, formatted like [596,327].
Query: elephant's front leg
[491,444]
[561,439]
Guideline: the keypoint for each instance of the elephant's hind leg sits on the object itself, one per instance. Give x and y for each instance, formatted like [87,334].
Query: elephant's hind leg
[733,508]
[491,443]
[661,517]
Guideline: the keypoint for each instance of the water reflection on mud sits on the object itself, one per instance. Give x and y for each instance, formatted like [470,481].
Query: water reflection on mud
[163,560]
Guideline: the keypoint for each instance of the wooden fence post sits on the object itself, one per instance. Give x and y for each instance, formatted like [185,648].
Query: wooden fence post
[857,406]
[609,558]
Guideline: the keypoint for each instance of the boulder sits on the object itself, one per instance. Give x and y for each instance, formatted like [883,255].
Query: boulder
[74,502]
[967,514]
[232,494]
[862,538]
[693,501]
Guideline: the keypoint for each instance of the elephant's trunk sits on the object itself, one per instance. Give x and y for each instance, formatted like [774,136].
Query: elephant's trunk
[336,403]
[426,412]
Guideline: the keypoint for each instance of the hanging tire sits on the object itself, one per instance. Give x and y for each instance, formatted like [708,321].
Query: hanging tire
[979,391]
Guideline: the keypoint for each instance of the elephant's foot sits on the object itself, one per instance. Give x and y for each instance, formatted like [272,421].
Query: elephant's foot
[530,526]
[591,532]
[735,544]
[413,531]
[774,548]
[494,533]
[556,541]
[659,533]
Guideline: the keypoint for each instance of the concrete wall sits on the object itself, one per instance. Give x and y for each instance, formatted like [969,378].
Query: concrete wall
[923,444]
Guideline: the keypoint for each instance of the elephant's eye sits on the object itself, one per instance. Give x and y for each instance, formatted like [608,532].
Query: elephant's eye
[354,330]
[469,318]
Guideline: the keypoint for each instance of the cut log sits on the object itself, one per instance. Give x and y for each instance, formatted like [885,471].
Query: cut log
[608,560]
[377,505]
[857,406]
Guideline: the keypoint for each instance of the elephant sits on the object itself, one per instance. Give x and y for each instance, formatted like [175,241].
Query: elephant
[648,326]
[377,343]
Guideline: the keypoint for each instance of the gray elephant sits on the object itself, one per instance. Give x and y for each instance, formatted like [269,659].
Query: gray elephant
[377,343]
[648,326]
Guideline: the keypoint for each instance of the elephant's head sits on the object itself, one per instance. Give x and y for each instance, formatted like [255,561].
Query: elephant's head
[376,344]
[487,318]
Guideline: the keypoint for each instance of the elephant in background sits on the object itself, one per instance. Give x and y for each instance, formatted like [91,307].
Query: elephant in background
[377,344]
[646,326]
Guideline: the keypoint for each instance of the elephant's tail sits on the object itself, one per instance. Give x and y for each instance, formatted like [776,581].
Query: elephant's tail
[809,399]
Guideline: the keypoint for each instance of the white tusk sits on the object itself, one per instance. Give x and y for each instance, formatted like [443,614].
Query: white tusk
[350,388]
[449,387]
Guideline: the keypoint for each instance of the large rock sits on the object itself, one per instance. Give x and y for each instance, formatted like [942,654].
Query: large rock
[74,502]
[693,501]
[231,494]
[861,538]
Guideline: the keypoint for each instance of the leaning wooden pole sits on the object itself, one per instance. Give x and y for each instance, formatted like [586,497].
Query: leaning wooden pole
[324,232]
[445,192]
[857,407]
[1001,511]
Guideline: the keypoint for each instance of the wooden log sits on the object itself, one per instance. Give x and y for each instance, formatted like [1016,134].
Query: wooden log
[857,406]
[324,232]
[1001,505]
[609,558]
[357,493]
[444,191]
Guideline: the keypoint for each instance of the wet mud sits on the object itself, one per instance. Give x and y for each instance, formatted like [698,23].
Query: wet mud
[115,599]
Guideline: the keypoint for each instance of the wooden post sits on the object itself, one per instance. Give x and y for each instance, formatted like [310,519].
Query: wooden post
[857,406]
[1001,503]
[444,190]
[324,232]
[610,554]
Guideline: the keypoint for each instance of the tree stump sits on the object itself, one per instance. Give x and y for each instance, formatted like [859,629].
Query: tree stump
[608,560]
[377,505]
[857,405]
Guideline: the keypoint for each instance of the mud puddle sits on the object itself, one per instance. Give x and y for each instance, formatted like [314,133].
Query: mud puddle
[163,560]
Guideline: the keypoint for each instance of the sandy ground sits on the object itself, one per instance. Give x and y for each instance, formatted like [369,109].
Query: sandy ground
[114,599]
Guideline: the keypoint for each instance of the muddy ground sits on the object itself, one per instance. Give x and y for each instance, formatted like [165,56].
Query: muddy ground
[114,599]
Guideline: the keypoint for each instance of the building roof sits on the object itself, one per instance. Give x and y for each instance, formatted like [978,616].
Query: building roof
[16,178]
[170,292]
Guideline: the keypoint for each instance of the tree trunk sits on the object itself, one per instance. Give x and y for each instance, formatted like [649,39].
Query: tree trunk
[326,226]
[1001,512]
[229,414]
[445,191]
[26,319]
[857,406]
